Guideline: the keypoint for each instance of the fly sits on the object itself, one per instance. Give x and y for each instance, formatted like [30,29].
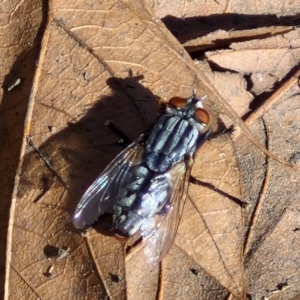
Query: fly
[145,186]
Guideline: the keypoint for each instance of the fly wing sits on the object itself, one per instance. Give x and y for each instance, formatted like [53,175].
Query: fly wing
[100,196]
[156,245]
[162,240]
[167,231]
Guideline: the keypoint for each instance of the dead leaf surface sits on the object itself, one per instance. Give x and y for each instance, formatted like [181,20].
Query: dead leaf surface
[220,38]
[258,56]
[63,122]
[189,20]
[19,48]
[276,263]
[194,8]
[215,240]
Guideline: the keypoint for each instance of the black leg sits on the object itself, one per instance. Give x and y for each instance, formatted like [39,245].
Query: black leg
[124,140]
[213,188]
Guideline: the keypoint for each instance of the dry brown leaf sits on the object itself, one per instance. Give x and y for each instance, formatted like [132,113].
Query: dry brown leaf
[142,278]
[220,38]
[189,20]
[186,9]
[211,231]
[258,56]
[279,271]
[70,102]
[19,48]
[186,279]
[232,86]
[81,81]
[270,190]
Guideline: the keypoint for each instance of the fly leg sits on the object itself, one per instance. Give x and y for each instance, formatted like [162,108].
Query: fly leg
[213,188]
[124,139]
[222,130]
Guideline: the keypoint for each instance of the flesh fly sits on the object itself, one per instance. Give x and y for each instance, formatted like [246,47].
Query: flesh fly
[145,186]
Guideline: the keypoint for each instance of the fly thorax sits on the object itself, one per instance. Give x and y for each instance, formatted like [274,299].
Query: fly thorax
[170,141]
[158,162]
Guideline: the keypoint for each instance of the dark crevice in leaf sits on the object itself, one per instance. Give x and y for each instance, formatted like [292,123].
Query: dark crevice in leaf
[184,28]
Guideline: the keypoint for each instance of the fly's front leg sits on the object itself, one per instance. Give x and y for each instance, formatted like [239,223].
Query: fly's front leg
[221,131]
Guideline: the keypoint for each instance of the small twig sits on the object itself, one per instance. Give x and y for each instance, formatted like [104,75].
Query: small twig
[259,112]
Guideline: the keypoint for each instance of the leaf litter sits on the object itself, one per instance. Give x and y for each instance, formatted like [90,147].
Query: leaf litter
[80,85]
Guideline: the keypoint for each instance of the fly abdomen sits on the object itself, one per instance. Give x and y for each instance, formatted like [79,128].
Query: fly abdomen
[140,201]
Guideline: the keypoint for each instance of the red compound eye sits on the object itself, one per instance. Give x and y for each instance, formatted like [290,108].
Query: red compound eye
[202,116]
[178,102]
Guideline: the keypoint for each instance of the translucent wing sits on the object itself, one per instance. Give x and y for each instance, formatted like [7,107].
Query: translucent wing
[99,197]
[156,245]
[168,229]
